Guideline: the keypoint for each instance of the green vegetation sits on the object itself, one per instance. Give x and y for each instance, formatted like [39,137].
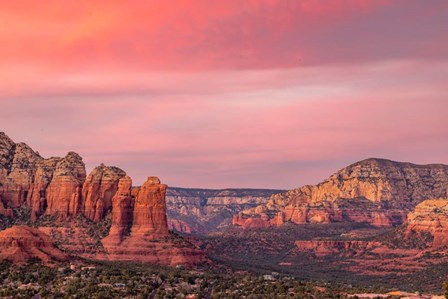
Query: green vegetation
[266,250]
[125,280]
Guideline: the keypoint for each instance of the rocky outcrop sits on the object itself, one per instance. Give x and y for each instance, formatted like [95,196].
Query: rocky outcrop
[148,239]
[358,210]
[182,226]
[382,191]
[18,163]
[98,191]
[37,198]
[429,218]
[328,247]
[20,243]
[51,186]
[376,180]
[259,221]
[122,212]
[207,210]
[150,209]
[59,195]
[64,191]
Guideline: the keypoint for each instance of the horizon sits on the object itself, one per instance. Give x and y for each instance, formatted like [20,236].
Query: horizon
[232,94]
[88,170]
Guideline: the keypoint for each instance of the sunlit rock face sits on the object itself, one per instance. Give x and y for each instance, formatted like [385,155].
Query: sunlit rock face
[150,209]
[64,191]
[430,217]
[57,191]
[98,190]
[148,239]
[375,191]
[51,186]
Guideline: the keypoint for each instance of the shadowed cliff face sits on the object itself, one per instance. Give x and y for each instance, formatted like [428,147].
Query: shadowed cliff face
[69,207]
[384,192]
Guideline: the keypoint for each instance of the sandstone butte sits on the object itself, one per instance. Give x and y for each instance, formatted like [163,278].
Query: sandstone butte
[375,191]
[148,238]
[59,188]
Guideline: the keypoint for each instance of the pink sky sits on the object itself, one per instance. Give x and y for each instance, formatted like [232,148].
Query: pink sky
[234,93]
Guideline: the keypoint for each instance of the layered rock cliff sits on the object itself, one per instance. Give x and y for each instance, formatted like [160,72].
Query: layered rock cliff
[99,189]
[148,239]
[383,192]
[51,186]
[18,164]
[76,210]
[122,212]
[431,218]
[63,195]
[207,210]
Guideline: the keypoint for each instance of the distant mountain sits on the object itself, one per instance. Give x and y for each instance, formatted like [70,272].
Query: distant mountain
[209,210]
[376,191]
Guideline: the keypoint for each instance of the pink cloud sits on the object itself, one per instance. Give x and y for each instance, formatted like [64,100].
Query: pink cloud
[227,93]
[259,128]
[198,35]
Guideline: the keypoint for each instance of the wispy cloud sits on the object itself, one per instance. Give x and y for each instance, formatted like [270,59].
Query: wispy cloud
[227,93]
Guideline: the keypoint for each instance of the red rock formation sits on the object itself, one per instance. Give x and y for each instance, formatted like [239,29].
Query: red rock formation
[323,247]
[179,226]
[122,212]
[98,190]
[375,191]
[20,243]
[343,210]
[251,222]
[46,185]
[149,239]
[58,187]
[150,209]
[17,168]
[429,217]
[64,191]
[37,198]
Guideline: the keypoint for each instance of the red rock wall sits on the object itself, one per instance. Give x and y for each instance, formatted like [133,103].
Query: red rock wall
[98,191]
[150,209]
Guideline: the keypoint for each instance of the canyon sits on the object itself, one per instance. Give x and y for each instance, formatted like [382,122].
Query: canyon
[201,211]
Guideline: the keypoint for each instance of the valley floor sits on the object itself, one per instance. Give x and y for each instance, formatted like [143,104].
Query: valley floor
[342,254]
